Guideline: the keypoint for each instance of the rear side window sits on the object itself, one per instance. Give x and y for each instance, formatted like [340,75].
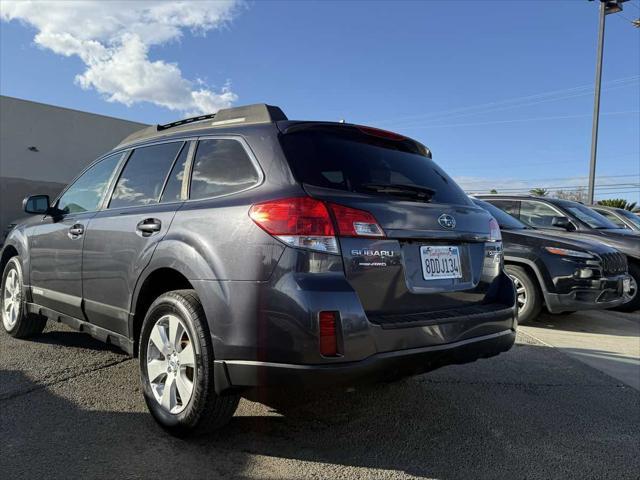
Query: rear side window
[221,166]
[509,206]
[86,193]
[173,189]
[537,214]
[347,158]
[143,176]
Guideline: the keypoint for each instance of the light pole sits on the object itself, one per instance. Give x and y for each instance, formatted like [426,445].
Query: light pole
[606,7]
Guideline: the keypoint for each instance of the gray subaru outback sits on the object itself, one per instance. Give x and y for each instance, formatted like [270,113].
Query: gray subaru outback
[245,250]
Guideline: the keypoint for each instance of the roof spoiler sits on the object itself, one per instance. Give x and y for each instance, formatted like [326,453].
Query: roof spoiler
[258,113]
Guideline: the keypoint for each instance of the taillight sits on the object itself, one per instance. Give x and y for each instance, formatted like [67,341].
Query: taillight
[305,222]
[352,222]
[327,334]
[494,231]
[300,222]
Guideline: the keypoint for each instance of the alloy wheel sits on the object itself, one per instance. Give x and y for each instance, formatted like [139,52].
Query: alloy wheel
[11,300]
[633,288]
[521,293]
[171,364]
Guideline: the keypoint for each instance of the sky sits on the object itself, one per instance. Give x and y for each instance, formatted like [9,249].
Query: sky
[501,92]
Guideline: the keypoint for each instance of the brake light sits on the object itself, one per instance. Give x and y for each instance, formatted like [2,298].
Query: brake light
[494,231]
[352,222]
[327,334]
[376,132]
[300,222]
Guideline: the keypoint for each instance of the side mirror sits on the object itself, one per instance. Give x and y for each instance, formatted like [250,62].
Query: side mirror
[562,222]
[36,204]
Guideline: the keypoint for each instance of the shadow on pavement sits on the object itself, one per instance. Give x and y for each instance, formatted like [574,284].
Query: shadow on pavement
[524,414]
[74,339]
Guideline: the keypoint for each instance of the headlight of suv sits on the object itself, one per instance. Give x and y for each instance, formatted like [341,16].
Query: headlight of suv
[568,253]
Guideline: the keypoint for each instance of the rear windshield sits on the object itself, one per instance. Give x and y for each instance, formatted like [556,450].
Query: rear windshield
[347,158]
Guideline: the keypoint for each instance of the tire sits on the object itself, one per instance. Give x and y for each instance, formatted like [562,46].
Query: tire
[633,304]
[16,321]
[528,294]
[179,371]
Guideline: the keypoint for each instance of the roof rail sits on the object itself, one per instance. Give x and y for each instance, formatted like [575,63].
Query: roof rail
[199,118]
[258,113]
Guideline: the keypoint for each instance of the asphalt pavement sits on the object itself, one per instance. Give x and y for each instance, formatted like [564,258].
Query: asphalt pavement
[71,407]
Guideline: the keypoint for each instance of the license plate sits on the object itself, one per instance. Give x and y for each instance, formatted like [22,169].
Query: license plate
[626,285]
[440,262]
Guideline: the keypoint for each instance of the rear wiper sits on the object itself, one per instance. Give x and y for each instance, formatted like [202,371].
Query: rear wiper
[424,194]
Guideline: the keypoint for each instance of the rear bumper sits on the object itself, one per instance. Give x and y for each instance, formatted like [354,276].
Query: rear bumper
[235,374]
[597,294]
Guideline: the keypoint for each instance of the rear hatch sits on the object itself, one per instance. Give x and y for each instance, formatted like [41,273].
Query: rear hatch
[434,256]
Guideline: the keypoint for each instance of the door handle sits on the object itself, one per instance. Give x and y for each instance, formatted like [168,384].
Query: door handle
[149,226]
[76,231]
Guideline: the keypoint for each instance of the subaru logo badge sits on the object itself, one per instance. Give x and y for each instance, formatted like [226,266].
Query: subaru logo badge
[447,221]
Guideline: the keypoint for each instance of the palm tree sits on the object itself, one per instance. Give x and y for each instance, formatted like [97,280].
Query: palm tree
[539,192]
[618,203]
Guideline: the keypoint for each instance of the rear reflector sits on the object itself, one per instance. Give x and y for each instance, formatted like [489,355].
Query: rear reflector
[327,331]
[300,222]
[352,222]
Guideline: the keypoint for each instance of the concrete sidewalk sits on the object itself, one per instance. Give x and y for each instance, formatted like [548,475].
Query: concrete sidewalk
[608,341]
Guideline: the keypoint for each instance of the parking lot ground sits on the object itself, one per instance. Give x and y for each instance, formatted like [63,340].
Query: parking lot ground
[71,407]
[608,341]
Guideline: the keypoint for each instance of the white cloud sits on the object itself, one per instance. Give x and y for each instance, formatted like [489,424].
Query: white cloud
[113,39]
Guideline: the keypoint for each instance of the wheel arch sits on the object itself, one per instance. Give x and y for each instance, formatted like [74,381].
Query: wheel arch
[155,282]
[531,268]
[8,252]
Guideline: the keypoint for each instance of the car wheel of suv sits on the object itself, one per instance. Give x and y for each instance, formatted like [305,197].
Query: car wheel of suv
[15,319]
[633,304]
[176,367]
[528,295]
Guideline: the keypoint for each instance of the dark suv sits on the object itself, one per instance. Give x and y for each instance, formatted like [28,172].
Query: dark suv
[559,273]
[247,250]
[575,220]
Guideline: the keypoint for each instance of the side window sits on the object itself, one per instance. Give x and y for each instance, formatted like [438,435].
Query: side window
[221,166]
[143,176]
[85,194]
[612,218]
[173,189]
[509,206]
[537,214]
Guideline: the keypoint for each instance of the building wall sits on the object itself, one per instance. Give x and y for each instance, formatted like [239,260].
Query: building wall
[65,142]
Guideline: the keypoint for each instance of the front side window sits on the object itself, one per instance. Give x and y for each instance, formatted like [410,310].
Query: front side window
[632,217]
[143,176]
[612,218]
[537,214]
[85,194]
[221,166]
[590,217]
